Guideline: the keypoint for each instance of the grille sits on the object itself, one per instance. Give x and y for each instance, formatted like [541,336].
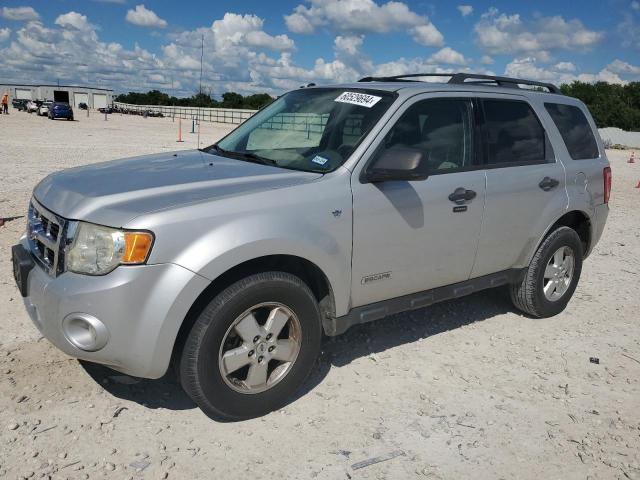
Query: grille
[45,232]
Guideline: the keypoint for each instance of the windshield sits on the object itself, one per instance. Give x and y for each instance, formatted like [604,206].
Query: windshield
[313,130]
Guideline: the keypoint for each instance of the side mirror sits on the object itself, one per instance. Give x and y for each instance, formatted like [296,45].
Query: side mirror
[396,163]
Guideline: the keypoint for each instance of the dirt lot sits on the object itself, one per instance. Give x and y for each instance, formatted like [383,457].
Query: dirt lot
[465,389]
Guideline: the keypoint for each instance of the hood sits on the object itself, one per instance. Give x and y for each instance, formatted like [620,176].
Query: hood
[115,192]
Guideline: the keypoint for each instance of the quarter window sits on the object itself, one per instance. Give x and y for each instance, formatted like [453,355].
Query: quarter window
[513,132]
[575,130]
[441,129]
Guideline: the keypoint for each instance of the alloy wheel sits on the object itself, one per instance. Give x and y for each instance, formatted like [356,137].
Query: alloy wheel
[260,348]
[558,274]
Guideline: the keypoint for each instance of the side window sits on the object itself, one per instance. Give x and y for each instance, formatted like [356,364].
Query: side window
[513,132]
[575,130]
[440,129]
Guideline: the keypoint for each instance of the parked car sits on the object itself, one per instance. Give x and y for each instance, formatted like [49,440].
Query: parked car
[382,196]
[43,109]
[83,106]
[33,105]
[105,110]
[60,110]
[19,103]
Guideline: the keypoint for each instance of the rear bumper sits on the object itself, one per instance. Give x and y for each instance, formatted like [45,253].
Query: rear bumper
[141,308]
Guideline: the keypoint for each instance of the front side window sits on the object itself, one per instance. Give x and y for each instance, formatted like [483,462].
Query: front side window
[575,130]
[313,129]
[441,130]
[513,133]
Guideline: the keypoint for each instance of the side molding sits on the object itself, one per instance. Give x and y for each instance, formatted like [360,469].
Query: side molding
[378,310]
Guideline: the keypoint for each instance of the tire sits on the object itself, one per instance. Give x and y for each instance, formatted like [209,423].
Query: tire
[529,294]
[228,397]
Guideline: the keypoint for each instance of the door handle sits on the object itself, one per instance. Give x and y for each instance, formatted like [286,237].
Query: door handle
[548,183]
[461,195]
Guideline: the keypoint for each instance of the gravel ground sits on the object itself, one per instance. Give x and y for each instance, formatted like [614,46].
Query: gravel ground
[465,389]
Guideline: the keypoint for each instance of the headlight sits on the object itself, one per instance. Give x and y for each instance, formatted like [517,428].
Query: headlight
[96,250]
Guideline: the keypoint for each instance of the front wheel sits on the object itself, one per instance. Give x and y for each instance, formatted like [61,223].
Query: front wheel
[552,275]
[252,346]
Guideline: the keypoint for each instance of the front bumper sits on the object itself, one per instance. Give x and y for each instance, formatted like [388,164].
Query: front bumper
[142,308]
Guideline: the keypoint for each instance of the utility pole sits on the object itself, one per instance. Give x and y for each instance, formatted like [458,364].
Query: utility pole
[201,59]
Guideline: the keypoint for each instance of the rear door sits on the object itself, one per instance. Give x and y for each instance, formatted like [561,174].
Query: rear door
[409,236]
[525,183]
[583,159]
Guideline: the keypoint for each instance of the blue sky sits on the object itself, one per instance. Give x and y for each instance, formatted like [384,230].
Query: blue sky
[272,46]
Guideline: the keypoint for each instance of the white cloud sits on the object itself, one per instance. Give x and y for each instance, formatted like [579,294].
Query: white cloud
[465,10]
[528,68]
[448,56]
[350,45]
[618,66]
[486,60]
[635,5]
[629,29]
[427,35]
[362,16]
[565,67]
[418,65]
[264,40]
[247,30]
[500,33]
[74,20]
[5,33]
[240,54]
[143,17]
[19,13]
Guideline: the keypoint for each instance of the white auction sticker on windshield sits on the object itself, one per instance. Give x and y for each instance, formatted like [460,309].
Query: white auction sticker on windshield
[356,98]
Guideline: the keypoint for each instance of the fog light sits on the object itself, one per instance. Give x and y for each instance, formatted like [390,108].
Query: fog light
[85,332]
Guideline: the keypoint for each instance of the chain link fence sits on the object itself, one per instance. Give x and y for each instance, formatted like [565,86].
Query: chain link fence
[217,115]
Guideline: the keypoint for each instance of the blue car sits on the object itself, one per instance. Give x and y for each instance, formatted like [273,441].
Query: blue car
[60,110]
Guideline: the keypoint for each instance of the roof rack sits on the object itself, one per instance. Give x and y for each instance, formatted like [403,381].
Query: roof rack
[461,78]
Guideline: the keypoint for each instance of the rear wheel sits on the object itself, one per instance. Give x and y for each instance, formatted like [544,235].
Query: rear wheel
[252,347]
[552,276]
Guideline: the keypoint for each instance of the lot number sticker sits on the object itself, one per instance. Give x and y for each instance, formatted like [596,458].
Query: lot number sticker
[319,160]
[361,99]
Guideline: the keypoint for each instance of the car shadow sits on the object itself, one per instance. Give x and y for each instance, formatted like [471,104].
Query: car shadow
[359,341]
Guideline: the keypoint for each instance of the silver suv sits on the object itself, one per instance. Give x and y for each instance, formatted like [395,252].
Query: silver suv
[333,206]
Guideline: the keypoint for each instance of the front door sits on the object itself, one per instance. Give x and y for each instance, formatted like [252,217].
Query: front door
[409,236]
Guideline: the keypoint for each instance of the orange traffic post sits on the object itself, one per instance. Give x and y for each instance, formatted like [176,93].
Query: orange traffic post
[179,130]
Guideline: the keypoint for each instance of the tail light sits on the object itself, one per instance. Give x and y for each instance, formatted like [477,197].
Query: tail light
[606,174]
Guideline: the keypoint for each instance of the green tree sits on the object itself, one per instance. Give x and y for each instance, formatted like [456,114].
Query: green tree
[611,105]
[203,100]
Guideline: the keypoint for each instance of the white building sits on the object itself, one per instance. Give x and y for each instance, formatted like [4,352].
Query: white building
[74,95]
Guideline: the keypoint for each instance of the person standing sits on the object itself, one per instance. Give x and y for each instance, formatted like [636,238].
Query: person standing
[5,104]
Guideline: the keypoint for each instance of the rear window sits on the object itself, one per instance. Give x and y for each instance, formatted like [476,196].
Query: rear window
[514,133]
[575,130]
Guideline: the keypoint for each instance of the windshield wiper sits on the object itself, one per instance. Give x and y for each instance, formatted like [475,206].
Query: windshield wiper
[213,147]
[248,156]
[252,157]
